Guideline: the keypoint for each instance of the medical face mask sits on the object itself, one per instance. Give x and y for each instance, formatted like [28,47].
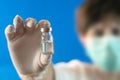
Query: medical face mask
[105,52]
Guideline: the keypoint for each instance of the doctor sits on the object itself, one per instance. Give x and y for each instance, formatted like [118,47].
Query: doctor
[98,26]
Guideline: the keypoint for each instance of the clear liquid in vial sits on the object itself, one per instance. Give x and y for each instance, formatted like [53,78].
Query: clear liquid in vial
[47,47]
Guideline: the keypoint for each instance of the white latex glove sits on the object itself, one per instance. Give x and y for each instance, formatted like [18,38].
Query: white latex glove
[24,46]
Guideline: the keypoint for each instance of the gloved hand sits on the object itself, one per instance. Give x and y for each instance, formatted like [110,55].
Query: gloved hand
[24,46]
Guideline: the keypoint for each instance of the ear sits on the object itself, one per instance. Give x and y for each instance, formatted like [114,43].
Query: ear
[82,38]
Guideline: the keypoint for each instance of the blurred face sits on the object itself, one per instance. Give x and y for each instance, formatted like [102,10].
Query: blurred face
[101,42]
[103,28]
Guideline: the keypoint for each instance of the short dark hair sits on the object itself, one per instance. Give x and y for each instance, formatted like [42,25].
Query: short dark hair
[92,11]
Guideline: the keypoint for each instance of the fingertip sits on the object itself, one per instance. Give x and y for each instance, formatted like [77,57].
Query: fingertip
[44,23]
[30,22]
[17,20]
[9,32]
[9,29]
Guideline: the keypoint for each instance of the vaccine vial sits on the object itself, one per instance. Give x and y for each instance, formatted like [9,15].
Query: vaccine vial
[47,40]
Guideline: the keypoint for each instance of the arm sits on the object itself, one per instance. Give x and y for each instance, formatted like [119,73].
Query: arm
[67,71]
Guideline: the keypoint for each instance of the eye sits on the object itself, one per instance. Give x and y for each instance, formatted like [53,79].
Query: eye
[99,32]
[116,31]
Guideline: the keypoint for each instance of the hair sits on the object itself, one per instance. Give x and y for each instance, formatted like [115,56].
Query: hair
[92,11]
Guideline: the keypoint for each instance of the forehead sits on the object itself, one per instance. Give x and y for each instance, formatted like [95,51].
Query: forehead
[107,22]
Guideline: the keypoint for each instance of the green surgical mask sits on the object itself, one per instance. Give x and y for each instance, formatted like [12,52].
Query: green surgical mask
[105,52]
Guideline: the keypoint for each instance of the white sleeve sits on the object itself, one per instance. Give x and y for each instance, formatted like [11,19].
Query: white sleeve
[62,72]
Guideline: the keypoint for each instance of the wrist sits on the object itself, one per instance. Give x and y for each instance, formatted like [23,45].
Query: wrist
[36,76]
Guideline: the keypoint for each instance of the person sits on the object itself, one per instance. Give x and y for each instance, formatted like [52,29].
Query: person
[98,28]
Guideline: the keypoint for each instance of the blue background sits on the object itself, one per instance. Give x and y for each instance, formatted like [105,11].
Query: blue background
[61,14]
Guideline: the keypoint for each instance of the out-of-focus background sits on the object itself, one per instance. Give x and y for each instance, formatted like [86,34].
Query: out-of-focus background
[61,14]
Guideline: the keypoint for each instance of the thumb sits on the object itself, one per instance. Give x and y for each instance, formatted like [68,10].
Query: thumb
[45,59]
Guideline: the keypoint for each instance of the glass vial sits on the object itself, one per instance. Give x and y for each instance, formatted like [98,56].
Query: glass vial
[47,40]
